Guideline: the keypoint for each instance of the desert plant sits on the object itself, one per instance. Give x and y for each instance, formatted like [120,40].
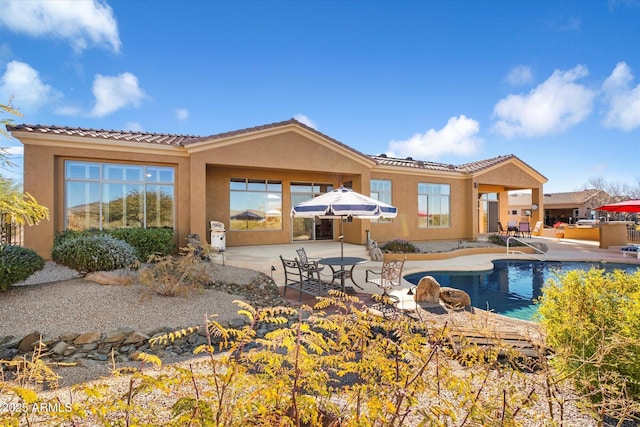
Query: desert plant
[399,245]
[592,322]
[300,367]
[147,242]
[17,264]
[176,275]
[87,254]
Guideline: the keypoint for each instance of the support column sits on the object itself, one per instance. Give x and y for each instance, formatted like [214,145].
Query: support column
[198,199]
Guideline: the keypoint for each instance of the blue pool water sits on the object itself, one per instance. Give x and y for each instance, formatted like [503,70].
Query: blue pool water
[512,286]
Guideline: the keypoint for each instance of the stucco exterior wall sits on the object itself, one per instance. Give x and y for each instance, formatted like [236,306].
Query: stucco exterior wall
[290,153]
[44,179]
[404,196]
[289,158]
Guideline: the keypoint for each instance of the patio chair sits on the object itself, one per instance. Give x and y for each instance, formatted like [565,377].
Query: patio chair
[524,228]
[292,275]
[502,231]
[307,262]
[390,275]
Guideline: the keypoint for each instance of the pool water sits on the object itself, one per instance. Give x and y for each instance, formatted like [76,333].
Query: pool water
[513,285]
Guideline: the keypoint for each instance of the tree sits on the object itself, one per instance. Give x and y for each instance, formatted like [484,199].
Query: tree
[21,207]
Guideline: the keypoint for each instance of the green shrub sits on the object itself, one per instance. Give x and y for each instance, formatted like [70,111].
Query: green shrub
[17,264]
[592,321]
[147,242]
[399,245]
[87,254]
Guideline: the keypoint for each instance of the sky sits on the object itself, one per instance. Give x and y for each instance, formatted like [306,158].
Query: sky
[556,83]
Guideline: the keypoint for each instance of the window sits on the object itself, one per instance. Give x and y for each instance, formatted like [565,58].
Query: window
[381,190]
[434,205]
[108,195]
[256,204]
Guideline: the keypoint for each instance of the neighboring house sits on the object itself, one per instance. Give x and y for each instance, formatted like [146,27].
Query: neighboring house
[248,180]
[560,207]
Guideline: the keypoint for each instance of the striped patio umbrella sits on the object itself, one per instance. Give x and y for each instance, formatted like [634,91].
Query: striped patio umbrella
[343,203]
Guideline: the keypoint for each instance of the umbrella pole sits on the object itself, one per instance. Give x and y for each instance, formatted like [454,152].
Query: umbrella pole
[341,238]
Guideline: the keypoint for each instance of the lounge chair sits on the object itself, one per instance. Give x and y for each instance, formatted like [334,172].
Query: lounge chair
[630,250]
[502,231]
[524,228]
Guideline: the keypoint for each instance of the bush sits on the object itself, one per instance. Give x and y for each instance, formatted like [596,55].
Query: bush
[17,264]
[87,254]
[592,323]
[173,276]
[399,245]
[147,242]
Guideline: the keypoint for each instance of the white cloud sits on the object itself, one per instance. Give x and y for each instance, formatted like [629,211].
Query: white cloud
[519,75]
[306,121]
[134,127]
[23,83]
[459,136]
[182,114]
[551,107]
[623,100]
[115,92]
[82,23]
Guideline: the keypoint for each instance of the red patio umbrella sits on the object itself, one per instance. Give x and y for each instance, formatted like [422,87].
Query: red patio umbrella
[626,206]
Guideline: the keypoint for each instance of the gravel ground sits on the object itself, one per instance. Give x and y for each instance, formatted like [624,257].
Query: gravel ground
[56,301]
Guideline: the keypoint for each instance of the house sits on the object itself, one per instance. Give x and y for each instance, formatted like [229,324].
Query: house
[249,179]
[566,207]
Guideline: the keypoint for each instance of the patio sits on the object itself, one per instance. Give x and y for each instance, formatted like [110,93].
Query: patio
[262,257]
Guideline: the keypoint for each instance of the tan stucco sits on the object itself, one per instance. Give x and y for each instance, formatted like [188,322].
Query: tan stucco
[289,153]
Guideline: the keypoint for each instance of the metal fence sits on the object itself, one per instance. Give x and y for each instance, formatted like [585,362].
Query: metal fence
[10,231]
[633,235]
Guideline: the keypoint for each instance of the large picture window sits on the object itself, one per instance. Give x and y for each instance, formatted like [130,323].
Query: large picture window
[256,204]
[380,189]
[434,205]
[108,195]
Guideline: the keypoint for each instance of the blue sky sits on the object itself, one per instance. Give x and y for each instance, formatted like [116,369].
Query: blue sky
[557,83]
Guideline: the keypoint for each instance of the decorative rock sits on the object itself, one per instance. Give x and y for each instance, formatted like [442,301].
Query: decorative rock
[90,347]
[86,363]
[4,340]
[87,338]
[136,338]
[109,278]
[455,297]
[116,336]
[26,344]
[11,343]
[428,290]
[60,348]
[68,337]
[236,322]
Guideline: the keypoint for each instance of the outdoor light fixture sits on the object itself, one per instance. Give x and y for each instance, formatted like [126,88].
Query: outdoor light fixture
[272,270]
[411,290]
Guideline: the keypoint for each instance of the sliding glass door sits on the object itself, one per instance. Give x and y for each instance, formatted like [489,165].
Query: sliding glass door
[309,228]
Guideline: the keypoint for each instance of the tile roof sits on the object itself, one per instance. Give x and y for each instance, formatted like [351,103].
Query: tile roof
[575,197]
[129,136]
[185,140]
[273,126]
[467,168]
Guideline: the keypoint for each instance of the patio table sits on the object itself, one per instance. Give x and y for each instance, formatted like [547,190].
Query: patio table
[342,272]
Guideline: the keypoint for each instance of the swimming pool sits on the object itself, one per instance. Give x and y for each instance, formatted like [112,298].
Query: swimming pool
[512,286]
